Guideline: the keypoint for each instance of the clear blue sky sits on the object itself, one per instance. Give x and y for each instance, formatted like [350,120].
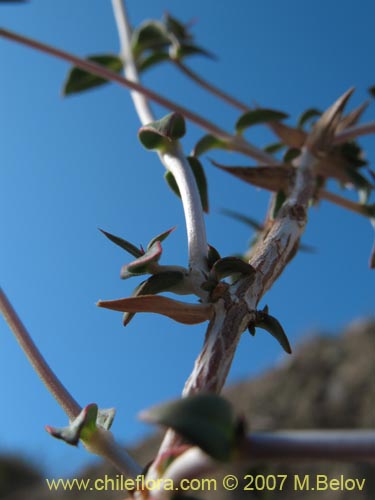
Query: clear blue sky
[69,166]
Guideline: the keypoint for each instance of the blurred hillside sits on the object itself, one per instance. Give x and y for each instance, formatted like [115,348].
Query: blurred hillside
[329,382]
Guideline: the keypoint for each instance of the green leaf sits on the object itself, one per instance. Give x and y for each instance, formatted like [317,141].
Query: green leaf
[160,237]
[274,147]
[146,62]
[372,255]
[249,221]
[212,256]
[143,264]
[158,134]
[184,50]
[176,28]
[158,283]
[208,142]
[206,420]
[79,80]
[278,203]
[228,266]
[353,154]
[200,178]
[149,35]
[125,245]
[272,326]
[171,181]
[257,116]
[291,154]
[81,427]
[308,116]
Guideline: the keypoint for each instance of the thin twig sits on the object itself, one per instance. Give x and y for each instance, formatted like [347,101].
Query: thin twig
[174,159]
[210,87]
[104,445]
[53,384]
[358,208]
[236,143]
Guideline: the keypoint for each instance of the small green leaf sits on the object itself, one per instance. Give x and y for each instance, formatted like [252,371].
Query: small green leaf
[274,147]
[257,116]
[143,264]
[272,326]
[249,221]
[278,203]
[212,256]
[372,255]
[176,28]
[308,116]
[208,142]
[353,154]
[229,266]
[80,428]
[79,80]
[291,154]
[146,62]
[200,178]
[206,420]
[171,181]
[160,237]
[179,52]
[149,35]
[158,134]
[126,245]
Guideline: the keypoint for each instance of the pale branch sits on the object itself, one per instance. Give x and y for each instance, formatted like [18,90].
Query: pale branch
[275,247]
[174,159]
[282,446]
[46,374]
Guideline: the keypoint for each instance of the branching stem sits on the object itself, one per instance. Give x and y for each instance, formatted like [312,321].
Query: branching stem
[174,159]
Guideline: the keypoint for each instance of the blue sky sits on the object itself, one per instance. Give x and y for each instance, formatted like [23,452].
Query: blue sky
[69,166]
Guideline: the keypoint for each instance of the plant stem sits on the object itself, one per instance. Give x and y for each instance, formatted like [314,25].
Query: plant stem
[105,447]
[174,159]
[275,247]
[283,446]
[210,87]
[341,137]
[53,384]
[236,143]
